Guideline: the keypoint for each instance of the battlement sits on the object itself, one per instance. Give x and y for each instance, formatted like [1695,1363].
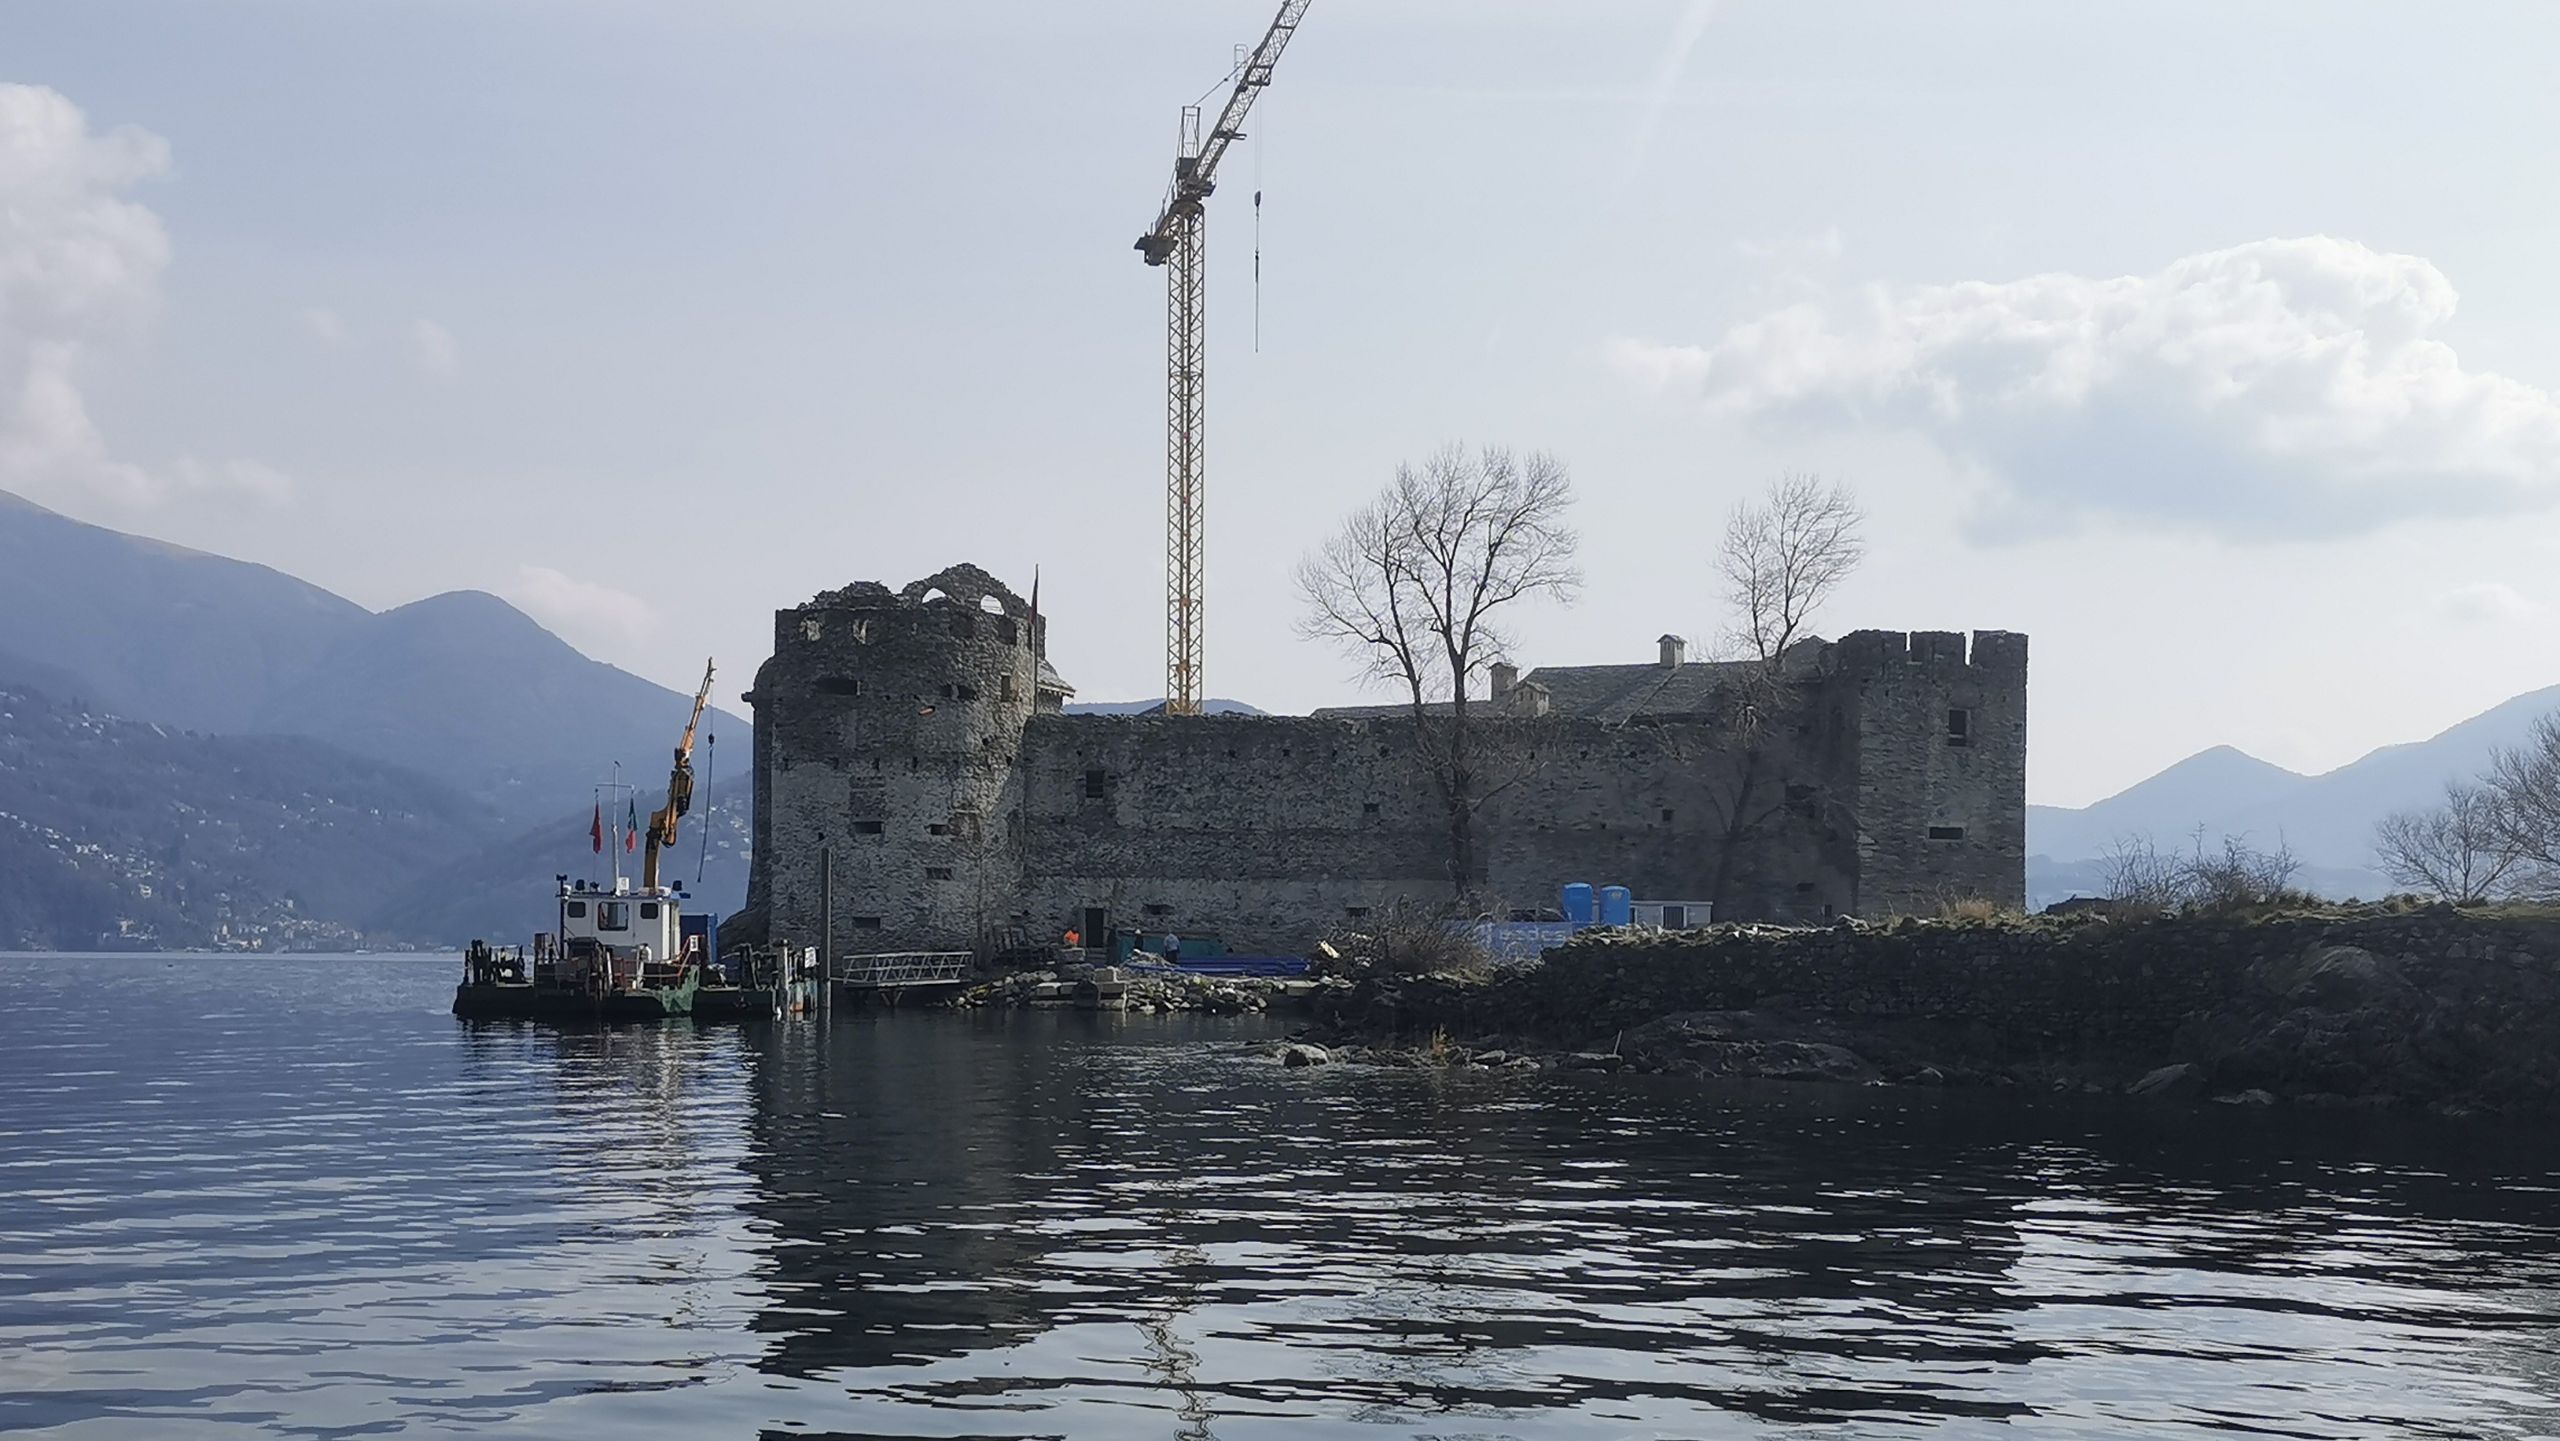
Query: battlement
[962,603]
[1878,652]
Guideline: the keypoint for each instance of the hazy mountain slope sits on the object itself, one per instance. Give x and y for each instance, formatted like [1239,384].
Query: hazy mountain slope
[157,632]
[467,686]
[123,833]
[503,892]
[2326,820]
[462,686]
[2330,820]
[2169,805]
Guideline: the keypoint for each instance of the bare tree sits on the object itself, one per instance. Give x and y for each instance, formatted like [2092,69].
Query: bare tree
[2238,877]
[2525,780]
[1783,557]
[2457,851]
[1417,586]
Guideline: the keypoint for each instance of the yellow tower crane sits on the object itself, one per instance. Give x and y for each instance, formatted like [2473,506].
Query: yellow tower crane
[1176,243]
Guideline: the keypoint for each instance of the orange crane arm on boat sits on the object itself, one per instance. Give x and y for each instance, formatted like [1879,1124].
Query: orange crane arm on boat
[662,822]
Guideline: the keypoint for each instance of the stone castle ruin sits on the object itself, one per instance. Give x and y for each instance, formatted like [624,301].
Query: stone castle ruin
[919,738]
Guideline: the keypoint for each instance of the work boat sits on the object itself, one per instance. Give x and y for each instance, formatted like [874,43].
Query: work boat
[619,951]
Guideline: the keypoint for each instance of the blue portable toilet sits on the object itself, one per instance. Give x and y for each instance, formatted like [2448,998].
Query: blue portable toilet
[1617,906]
[1578,910]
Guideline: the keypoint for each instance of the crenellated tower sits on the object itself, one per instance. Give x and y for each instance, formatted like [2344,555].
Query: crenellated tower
[888,726]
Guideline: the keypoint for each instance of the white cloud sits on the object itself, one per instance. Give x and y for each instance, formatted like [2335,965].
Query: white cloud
[584,612]
[79,270]
[325,326]
[2488,602]
[2278,388]
[236,479]
[432,346]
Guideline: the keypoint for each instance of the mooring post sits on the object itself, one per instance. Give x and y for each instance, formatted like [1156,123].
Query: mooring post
[826,925]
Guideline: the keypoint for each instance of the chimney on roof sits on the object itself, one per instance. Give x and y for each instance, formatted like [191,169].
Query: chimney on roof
[1675,652]
[1505,676]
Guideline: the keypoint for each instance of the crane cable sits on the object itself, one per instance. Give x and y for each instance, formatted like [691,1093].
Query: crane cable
[1257,225]
[710,772]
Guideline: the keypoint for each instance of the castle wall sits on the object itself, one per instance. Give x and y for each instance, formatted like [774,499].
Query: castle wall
[897,730]
[1917,781]
[895,721]
[1261,829]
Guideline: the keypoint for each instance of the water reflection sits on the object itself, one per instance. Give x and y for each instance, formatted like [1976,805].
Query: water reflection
[259,1200]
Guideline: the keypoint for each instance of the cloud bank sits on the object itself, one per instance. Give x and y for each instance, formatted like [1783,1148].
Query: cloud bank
[583,611]
[80,270]
[2279,388]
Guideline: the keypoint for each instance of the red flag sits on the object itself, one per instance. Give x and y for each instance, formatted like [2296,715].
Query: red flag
[631,832]
[596,832]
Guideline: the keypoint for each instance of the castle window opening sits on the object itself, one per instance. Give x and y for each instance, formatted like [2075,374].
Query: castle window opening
[937,873]
[1959,726]
[861,631]
[1097,785]
[1004,687]
[938,828]
[963,625]
[868,828]
[1159,909]
[1356,912]
[866,923]
[812,628]
[1667,814]
[990,605]
[840,685]
[1804,888]
[1368,808]
[1946,833]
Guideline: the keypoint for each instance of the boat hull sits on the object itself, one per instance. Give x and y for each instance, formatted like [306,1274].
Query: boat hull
[523,1001]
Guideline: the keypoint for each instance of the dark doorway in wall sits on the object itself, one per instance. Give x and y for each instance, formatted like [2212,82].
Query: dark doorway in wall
[1097,926]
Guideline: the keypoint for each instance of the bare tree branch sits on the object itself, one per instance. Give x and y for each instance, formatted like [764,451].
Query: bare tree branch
[1417,585]
[2458,851]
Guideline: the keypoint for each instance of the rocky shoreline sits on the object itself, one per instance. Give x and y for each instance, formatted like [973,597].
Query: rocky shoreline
[2384,1006]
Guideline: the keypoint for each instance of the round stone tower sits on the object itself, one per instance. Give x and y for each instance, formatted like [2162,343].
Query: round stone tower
[888,724]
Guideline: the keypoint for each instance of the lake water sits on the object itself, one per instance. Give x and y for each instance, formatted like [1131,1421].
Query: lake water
[295,1198]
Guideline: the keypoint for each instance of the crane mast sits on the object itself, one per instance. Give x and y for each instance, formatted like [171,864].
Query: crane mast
[1177,243]
[662,821]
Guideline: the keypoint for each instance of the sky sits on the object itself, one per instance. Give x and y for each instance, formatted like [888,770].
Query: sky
[2211,343]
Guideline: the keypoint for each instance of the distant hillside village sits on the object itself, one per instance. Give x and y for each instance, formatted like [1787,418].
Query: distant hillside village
[915,763]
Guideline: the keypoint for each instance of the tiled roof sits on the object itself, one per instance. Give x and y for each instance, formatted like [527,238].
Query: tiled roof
[1597,692]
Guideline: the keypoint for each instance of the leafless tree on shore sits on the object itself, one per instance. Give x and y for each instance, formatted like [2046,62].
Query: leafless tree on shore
[1783,558]
[2460,851]
[1418,586]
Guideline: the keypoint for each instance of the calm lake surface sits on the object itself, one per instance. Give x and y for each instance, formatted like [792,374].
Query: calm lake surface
[295,1198]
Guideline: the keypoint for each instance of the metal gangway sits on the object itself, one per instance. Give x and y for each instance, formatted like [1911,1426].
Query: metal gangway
[889,974]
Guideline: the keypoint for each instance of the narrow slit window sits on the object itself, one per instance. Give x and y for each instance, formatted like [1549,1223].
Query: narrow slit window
[1097,785]
[1946,833]
[937,873]
[866,923]
[868,828]
[1959,726]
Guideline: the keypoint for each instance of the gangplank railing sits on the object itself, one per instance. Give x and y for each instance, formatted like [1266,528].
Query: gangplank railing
[894,969]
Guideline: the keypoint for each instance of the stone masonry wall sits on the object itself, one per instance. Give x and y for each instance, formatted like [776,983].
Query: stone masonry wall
[1939,816]
[1271,831]
[896,732]
[894,720]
